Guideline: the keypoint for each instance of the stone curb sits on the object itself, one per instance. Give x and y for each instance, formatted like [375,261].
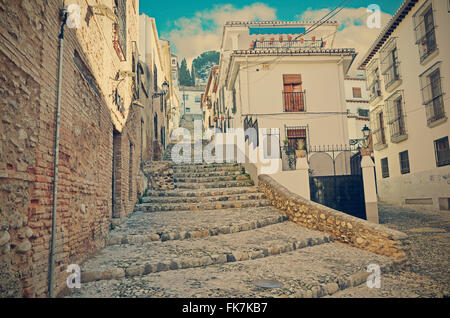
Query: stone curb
[184,263]
[238,177]
[209,185]
[342,283]
[158,207]
[205,192]
[183,235]
[207,174]
[204,198]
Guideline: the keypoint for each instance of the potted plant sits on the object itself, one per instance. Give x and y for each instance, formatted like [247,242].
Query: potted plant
[290,154]
[289,38]
[301,151]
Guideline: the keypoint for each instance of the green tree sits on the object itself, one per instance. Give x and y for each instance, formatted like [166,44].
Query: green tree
[203,63]
[183,74]
[193,75]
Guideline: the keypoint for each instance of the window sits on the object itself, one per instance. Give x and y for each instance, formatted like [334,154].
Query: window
[185,96]
[396,115]
[188,110]
[363,112]
[374,84]
[384,168]
[390,64]
[233,110]
[425,31]
[296,137]
[377,122]
[356,92]
[155,78]
[430,82]
[404,162]
[198,99]
[442,152]
[293,96]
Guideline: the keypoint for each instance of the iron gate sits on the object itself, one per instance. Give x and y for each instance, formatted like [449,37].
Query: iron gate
[336,181]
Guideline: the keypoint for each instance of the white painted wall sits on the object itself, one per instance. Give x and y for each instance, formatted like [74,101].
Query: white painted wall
[425,179]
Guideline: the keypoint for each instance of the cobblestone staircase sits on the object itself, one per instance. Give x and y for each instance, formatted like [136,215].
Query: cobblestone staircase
[214,236]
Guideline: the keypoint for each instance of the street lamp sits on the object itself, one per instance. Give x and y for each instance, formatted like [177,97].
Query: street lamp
[366,132]
[364,142]
[165,90]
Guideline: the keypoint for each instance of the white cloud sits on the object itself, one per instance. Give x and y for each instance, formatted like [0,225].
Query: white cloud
[354,32]
[203,32]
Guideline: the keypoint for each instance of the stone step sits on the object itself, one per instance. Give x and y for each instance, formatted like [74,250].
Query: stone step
[310,272]
[157,207]
[222,184]
[208,169]
[207,174]
[202,192]
[204,199]
[213,179]
[143,227]
[151,257]
[184,166]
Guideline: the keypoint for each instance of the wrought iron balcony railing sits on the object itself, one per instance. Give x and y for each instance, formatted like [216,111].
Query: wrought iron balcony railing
[294,101]
[292,44]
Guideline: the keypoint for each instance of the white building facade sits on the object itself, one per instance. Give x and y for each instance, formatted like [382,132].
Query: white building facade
[271,77]
[357,100]
[191,97]
[408,75]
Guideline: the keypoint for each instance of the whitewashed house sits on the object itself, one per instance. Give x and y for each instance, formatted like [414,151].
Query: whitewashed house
[271,77]
[357,100]
[408,75]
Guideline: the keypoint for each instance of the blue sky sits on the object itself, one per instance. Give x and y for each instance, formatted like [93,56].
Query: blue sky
[166,12]
[195,26]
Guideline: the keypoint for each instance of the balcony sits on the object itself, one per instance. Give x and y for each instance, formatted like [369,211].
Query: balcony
[288,44]
[435,110]
[374,91]
[294,101]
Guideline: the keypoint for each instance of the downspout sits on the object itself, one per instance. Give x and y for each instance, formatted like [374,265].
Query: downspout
[51,287]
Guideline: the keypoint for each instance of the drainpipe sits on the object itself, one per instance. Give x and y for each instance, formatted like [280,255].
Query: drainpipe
[51,287]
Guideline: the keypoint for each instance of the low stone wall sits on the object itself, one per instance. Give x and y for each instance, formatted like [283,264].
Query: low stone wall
[342,227]
[159,174]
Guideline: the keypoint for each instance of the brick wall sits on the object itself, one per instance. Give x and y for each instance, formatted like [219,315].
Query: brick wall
[28,86]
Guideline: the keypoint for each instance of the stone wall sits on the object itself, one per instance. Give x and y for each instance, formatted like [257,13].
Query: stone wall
[159,174]
[28,86]
[343,227]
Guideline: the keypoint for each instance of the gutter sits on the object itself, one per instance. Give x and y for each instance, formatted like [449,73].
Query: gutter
[51,284]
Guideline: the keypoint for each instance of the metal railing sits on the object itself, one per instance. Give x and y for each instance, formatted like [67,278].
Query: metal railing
[298,44]
[294,101]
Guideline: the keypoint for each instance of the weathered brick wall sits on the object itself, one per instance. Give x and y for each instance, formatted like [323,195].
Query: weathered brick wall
[343,227]
[28,86]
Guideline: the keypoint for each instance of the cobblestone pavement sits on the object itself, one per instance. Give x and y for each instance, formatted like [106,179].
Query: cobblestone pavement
[202,240]
[428,272]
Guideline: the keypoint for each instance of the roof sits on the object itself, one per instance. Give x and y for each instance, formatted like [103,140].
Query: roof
[399,15]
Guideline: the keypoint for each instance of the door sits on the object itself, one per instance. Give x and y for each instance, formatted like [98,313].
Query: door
[293,93]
